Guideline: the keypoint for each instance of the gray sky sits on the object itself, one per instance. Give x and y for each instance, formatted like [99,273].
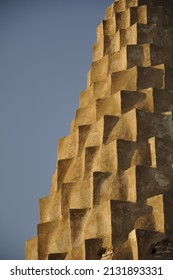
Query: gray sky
[45,54]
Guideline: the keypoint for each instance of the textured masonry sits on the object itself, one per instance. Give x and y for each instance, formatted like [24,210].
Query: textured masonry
[112,190]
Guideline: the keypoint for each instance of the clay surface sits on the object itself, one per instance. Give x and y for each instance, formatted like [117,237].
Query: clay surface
[112,190]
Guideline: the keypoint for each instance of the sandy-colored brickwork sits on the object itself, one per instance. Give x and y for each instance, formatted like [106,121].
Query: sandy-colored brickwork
[112,190]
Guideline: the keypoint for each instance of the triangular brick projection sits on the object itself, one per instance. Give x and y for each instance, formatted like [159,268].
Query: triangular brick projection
[112,191]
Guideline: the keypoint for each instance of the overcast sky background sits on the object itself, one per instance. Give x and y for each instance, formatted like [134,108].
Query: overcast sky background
[45,54]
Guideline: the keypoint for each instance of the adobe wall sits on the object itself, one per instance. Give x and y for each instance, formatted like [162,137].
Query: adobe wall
[112,190]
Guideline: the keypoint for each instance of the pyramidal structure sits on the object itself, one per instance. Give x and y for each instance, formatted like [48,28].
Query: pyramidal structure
[112,190]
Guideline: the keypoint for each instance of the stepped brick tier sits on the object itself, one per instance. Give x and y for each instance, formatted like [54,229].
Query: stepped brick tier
[112,190]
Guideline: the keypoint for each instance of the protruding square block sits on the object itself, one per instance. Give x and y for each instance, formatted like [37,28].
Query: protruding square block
[86,116]
[118,61]
[99,69]
[149,77]
[123,20]
[128,36]
[31,249]
[124,80]
[108,106]
[68,146]
[50,207]
[112,43]
[102,88]
[86,97]
[138,55]
[53,238]
[109,25]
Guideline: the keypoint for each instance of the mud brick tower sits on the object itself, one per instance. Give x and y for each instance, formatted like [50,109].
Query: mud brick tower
[112,190]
